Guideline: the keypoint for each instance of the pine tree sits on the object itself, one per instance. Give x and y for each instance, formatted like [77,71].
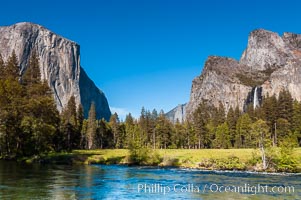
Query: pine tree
[296,121]
[222,139]
[285,105]
[129,125]
[189,134]
[129,120]
[211,127]
[80,121]
[283,131]
[244,137]
[34,113]
[69,113]
[149,128]
[91,127]
[104,137]
[154,114]
[115,126]
[40,109]
[163,131]
[200,120]
[232,118]
[69,125]
[220,114]
[152,129]
[11,104]
[84,135]
[131,130]
[251,112]
[270,109]
[178,135]
[32,74]
[11,69]
[143,124]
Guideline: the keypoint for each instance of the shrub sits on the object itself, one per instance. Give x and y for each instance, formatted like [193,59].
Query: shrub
[230,163]
[140,155]
[169,161]
[254,160]
[95,159]
[285,161]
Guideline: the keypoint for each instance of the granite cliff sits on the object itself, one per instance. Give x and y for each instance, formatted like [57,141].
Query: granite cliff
[177,114]
[269,64]
[59,64]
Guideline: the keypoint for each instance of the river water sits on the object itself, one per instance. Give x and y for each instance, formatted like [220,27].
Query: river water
[19,181]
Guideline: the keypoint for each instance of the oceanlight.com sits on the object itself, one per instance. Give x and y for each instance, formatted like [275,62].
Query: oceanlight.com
[214,188]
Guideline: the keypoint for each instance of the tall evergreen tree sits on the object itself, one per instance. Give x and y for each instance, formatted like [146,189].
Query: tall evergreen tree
[70,125]
[232,118]
[11,107]
[211,127]
[189,134]
[163,131]
[270,109]
[178,135]
[283,130]
[200,119]
[143,124]
[91,127]
[222,139]
[11,104]
[12,69]
[104,137]
[244,137]
[80,121]
[285,105]
[149,128]
[154,114]
[219,115]
[40,109]
[115,126]
[130,129]
[32,74]
[296,120]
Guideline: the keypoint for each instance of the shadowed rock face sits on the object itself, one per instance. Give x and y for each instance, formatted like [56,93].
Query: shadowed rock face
[270,62]
[90,93]
[59,64]
[218,83]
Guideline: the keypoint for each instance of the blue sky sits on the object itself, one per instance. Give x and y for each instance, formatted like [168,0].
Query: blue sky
[147,52]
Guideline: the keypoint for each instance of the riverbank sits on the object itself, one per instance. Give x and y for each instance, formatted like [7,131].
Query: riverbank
[208,159]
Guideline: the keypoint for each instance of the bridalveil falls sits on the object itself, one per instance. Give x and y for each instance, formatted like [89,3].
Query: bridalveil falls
[254,98]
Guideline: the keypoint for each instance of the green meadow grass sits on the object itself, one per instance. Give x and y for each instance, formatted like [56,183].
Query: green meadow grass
[189,158]
[185,157]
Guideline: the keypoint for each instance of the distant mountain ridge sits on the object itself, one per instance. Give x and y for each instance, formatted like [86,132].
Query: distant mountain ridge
[59,64]
[177,114]
[270,62]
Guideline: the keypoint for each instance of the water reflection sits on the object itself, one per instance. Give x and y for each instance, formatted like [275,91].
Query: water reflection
[119,182]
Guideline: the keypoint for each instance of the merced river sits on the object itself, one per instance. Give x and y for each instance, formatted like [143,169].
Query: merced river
[21,181]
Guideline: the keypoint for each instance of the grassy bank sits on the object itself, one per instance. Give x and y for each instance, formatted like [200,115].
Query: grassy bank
[223,159]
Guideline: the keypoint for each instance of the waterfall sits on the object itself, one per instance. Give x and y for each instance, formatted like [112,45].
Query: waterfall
[255,100]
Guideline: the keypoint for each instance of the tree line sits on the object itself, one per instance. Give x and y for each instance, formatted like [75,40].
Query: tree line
[279,116]
[30,123]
